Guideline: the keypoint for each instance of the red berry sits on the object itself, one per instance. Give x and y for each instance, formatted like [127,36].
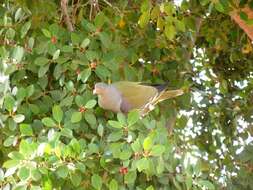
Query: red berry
[78,71]
[53,40]
[123,170]
[93,65]
[82,109]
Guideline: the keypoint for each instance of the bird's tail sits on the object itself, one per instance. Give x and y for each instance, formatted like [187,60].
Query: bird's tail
[167,94]
[170,94]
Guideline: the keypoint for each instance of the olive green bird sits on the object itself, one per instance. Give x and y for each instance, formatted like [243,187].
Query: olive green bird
[124,96]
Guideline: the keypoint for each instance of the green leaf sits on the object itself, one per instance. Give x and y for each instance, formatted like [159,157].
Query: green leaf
[243,16]
[24,173]
[68,101]
[93,148]
[100,130]
[46,33]
[79,100]
[160,166]
[100,19]
[18,118]
[115,136]
[80,166]
[10,34]
[169,31]
[62,171]
[136,146]
[113,185]
[125,154]
[70,86]
[130,177]
[11,163]
[67,132]
[90,118]
[85,74]
[115,124]
[30,90]
[56,54]
[207,184]
[41,61]
[9,102]
[145,6]
[18,14]
[91,55]
[16,155]
[76,117]
[157,150]
[105,39]
[180,25]
[10,141]
[150,188]
[90,104]
[155,12]
[96,181]
[35,174]
[133,117]
[21,94]
[169,8]
[18,53]
[27,148]
[219,7]
[122,118]
[142,164]
[188,182]
[25,29]
[249,22]
[144,19]
[85,43]
[43,70]
[75,145]
[1,175]
[31,42]
[75,178]
[204,2]
[147,143]
[102,72]
[57,113]
[35,187]
[49,122]
[25,130]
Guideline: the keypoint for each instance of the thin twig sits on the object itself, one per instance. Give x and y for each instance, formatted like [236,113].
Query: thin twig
[192,44]
[108,3]
[171,122]
[248,29]
[64,4]
[75,8]
[91,9]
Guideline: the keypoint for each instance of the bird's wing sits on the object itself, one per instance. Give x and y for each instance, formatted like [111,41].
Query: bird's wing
[135,95]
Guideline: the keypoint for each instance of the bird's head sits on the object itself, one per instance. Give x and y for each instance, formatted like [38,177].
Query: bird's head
[100,88]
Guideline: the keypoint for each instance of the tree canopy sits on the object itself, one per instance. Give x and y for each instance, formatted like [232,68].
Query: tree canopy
[53,135]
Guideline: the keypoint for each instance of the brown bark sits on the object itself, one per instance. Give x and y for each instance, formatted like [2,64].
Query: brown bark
[248,29]
[64,4]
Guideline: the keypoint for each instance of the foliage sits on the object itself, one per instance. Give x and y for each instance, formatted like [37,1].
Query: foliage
[54,136]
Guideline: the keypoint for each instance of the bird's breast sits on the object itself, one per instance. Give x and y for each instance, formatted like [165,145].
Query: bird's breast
[110,103]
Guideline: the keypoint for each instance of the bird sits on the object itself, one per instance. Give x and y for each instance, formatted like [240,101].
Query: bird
[125,96]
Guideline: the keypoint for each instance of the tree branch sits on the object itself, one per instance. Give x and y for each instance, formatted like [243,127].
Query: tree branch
[64,4]
[248,29]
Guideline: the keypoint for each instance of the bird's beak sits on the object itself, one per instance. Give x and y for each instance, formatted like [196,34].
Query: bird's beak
[94,91]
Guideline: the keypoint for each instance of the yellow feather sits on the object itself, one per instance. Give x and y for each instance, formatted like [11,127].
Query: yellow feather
[136,94]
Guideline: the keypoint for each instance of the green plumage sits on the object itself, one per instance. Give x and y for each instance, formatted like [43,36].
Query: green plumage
[124,96]
[136,94]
